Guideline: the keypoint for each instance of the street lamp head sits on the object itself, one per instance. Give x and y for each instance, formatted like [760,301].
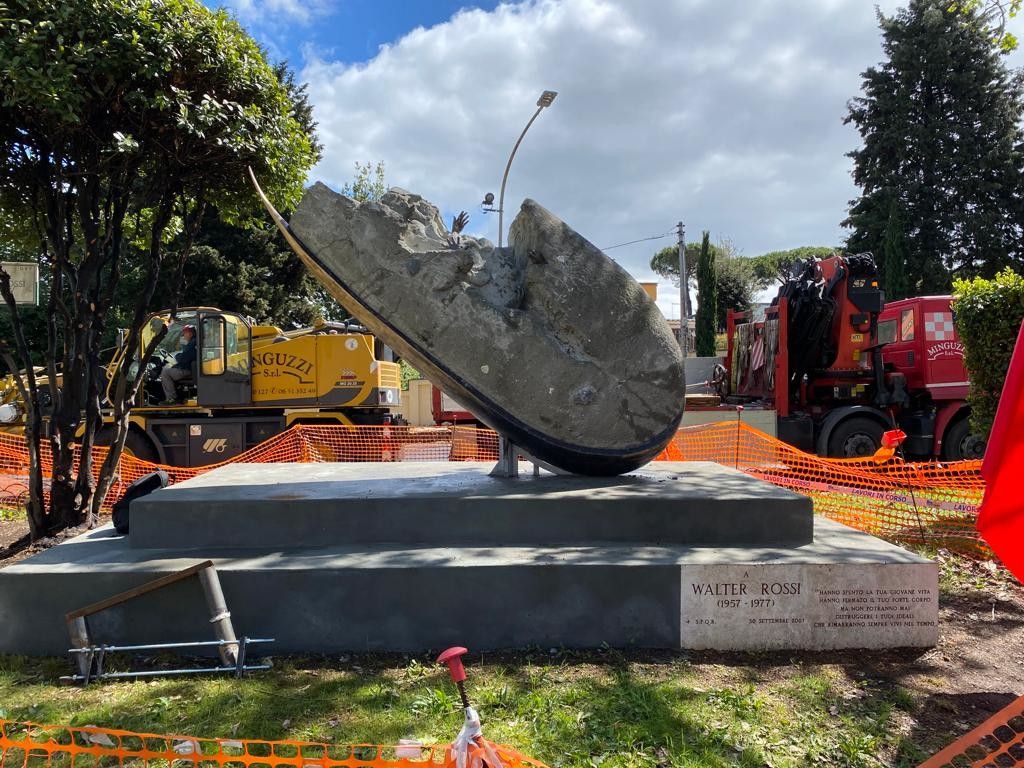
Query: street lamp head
[488,199]
[546,98]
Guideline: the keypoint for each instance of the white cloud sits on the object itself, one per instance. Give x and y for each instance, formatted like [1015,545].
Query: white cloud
[727,115]
[272,12]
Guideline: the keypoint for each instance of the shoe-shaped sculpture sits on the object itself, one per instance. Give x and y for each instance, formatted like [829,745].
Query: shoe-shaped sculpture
[548,341]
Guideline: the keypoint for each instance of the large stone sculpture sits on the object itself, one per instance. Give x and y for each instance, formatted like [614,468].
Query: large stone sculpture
[548,340]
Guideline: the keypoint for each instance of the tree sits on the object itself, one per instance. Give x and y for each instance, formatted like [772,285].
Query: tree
[942,155]
[244,267]
[666,263]
[992,16]
[736,285]
[774,266]
[734,274]
[248,267]
[120,120]
[893,257]
[707,299]
[367,184]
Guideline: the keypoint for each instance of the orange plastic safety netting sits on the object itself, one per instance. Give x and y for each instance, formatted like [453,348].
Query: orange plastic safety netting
[997,742]
[909,502]
[924,502]
[28,745]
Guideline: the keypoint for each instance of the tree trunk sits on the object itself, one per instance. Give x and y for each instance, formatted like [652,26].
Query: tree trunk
[125,393]
[36,507]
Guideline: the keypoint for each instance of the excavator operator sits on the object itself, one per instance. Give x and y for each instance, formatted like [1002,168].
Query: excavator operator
[182,368]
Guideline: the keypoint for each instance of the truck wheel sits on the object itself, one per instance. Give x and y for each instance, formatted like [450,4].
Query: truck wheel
[855,438]
[960,443]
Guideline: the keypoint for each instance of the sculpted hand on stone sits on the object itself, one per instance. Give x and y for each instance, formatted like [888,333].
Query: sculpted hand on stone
[548,340]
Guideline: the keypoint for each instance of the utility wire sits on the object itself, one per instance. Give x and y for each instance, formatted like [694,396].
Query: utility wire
[641,240]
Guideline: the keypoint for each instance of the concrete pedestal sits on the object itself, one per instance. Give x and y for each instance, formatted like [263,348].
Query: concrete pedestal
[316,572]
[253,506]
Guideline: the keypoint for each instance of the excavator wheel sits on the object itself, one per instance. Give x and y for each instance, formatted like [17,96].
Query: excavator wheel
[855,438]
[136,444]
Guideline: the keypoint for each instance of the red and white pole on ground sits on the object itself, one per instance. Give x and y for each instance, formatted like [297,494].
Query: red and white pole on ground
[471,734]
[453,658]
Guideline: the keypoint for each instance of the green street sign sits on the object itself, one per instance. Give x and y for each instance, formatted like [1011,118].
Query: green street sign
[24,280]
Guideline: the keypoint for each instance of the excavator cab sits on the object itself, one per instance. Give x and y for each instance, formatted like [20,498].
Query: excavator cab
[222,372]
[224,360]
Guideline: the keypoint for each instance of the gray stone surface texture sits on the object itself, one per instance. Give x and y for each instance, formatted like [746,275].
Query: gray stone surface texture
[547,340]
[437,503]
[400,598]
[821,606]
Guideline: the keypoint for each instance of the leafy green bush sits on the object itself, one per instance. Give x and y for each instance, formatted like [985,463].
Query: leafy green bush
[988,314]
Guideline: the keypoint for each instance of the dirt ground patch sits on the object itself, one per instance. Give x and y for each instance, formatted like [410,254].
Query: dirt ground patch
[13,539]
[11,531]
[16,544]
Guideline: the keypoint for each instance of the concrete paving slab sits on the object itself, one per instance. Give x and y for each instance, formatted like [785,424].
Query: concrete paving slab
[434,503]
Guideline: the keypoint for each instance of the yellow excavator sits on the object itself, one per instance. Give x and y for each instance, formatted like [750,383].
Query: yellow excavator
[249,382]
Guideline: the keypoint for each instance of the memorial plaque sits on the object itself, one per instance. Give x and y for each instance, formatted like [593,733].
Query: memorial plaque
[24,280]
[811,606]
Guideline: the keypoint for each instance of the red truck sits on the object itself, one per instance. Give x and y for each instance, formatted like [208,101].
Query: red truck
[447,410]
[840,366]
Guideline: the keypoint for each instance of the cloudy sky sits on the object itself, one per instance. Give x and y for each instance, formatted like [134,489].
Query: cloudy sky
[725,114]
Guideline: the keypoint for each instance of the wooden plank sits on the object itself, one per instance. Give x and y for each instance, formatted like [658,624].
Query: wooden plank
[142,589]
[703,401]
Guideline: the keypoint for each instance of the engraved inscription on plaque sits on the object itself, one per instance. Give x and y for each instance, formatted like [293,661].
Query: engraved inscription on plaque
[809,606]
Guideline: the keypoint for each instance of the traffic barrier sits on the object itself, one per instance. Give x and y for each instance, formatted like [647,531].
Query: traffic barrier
[29,745]
[933,503]
[997,742]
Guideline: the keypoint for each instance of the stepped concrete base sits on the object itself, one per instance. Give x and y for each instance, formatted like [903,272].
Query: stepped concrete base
[845,590]
[288,506]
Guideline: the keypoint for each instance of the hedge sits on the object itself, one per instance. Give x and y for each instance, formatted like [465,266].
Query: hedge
[988,314]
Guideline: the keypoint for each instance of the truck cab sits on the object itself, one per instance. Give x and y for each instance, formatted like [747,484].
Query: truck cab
[919,342]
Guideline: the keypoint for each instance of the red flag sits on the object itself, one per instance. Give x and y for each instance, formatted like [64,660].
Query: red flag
[757,356]
[1001,517]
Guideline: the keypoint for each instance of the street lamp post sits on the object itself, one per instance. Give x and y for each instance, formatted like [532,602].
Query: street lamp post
[545,100]
[508,456]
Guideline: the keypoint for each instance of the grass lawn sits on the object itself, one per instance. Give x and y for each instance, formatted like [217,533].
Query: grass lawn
[565,709]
